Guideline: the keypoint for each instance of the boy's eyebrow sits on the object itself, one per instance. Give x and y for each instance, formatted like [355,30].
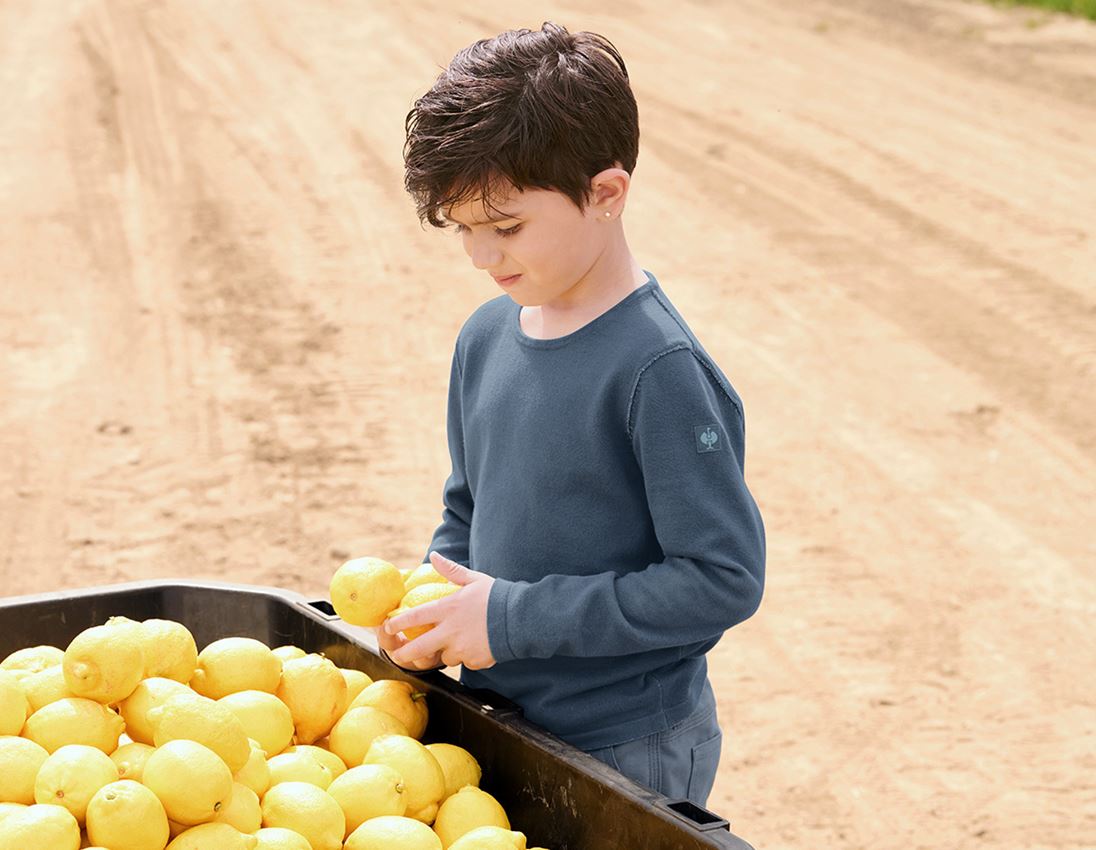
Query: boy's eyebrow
[504,217]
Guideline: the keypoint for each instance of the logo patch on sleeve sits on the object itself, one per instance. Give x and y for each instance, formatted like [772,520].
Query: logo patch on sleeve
[709,438]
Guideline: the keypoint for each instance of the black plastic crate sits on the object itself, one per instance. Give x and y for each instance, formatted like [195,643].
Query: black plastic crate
[559,796]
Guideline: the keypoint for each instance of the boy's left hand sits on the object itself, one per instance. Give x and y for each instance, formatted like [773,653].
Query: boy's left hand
[460,630]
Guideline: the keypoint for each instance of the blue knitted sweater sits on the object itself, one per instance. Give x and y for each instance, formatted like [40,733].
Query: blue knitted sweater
[599,478]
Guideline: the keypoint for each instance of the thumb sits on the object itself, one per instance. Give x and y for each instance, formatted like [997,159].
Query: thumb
[452,570]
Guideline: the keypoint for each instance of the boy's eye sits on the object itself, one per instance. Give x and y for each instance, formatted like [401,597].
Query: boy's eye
[460,228]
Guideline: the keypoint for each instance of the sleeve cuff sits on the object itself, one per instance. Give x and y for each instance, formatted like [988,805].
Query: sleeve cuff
[498,607]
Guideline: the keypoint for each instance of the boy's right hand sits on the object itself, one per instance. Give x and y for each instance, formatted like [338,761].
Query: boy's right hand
[390,643]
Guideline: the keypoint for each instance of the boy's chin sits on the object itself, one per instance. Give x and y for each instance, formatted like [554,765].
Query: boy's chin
[523,300]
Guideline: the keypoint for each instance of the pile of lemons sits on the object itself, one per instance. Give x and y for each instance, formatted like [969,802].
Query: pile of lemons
[130,739]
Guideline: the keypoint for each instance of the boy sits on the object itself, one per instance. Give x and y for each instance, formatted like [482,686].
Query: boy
[597,493]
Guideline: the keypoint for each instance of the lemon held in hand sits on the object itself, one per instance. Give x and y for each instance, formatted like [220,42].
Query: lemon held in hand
[364,590]
[420,595]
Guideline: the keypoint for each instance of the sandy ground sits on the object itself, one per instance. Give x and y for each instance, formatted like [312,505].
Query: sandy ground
[225,346]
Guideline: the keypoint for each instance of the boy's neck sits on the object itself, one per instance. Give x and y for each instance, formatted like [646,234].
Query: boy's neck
[609,281]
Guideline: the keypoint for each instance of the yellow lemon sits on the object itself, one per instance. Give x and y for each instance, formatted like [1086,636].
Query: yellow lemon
[191,781]
[420,595]
[149,694]
[356,730]
[125,815]
[490,838]
[242,809]
[401,699]
[288,652]
[424,574]
[308,810]
[424,783]
[256,773]
[196,718]
[356,682]
[458,765]
[168,650]
[75,720]
[9,809]
[104,663]
[325,757]
[315,692]
[368,791]
[40,827]
[71,776]
[235,664]
[389,831]
[298,767]
[364,590]
[130,760]
[213,836]
[466,810]
[14,707]
[45,687]
[20,761]
[279,838]
[33,659]
[265,718]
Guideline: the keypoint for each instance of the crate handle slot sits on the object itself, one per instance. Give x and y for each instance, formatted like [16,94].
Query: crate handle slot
[496,703]
[696,816]
[323,607]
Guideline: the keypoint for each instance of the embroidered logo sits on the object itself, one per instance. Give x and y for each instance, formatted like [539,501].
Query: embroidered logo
[707,438]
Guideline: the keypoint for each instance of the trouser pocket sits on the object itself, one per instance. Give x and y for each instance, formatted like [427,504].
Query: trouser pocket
[680,762]
[704,765]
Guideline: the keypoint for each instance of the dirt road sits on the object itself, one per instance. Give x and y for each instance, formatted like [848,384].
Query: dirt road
[225,345]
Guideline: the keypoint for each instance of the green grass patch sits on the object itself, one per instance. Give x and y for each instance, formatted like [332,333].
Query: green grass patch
[1081,8]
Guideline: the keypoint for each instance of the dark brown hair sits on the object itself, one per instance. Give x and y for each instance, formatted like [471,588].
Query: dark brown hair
[543,109]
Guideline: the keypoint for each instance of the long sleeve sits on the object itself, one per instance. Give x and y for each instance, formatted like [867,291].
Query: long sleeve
[451,537]
[688,437]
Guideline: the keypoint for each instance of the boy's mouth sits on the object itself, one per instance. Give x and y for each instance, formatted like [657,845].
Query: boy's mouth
[506,281]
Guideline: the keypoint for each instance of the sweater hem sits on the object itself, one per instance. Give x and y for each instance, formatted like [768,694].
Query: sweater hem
[621,733]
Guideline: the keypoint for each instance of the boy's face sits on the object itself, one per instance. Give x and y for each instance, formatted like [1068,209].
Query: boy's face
[538,235]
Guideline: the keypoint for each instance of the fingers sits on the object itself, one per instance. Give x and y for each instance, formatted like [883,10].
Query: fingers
[451,569]
[428,646]
[429,663]
[427,614]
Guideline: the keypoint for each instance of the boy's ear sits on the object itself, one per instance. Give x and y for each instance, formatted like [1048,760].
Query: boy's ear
[609,188]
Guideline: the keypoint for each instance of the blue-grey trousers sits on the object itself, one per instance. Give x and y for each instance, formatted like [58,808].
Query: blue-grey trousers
[680,762]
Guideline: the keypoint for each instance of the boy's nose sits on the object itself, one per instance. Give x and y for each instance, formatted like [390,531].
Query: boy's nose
[484,255]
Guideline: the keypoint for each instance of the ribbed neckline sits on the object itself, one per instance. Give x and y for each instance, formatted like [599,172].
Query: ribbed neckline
[560,341]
